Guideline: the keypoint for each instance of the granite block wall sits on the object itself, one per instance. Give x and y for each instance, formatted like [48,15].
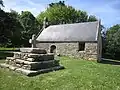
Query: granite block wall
[71,49]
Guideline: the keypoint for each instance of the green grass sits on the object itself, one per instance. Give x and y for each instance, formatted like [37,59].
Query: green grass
[78,75]
[7,49]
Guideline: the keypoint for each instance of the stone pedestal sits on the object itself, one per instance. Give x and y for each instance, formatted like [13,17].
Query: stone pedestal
[32,61]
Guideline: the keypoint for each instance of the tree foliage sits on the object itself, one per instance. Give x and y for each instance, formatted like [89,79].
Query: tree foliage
[1,3]
[16,29]
[62,3]
[113,42]
[59,13]
[31,26]
[5,33]
[91,18]
[10,29]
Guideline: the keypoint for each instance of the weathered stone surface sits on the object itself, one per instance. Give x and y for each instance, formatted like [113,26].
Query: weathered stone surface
[33,50]
[71,49]
[33,65]
[33,57]
[31,72]
[31,62]
[17,55]
[40,55]
[10,58]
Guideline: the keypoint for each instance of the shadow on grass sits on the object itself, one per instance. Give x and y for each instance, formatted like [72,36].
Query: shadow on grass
[7,53]
[3,55]
[110,61]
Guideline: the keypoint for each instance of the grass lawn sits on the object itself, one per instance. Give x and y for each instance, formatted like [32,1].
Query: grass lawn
[78,75]
[7,49]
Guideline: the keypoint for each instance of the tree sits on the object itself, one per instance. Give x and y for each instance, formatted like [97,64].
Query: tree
[58,13]
[91,18]
[1,3]
[5,33]
[10,29]
[31,26]
[113,42]
[62,3]
[16,27]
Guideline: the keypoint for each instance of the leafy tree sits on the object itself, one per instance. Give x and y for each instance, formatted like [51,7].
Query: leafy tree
[113,42]
[31,26]
[58,13]
[15,14]
[91,18]
[16,28]
[1,3]
[5,33]
[10,29]
[62,3]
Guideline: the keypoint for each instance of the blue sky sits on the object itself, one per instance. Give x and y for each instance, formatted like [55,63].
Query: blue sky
[106,10]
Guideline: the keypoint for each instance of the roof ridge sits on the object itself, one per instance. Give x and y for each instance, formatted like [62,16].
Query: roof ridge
[74,23]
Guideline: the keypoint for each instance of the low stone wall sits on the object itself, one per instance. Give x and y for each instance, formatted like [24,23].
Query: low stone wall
[71,49]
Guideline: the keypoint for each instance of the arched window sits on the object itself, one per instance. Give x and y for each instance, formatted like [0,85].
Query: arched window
[53,49]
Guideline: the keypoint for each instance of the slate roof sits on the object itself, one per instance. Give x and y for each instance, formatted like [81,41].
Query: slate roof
[87,31]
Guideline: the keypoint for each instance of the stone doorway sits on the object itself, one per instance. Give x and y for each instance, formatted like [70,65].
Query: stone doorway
[53,49]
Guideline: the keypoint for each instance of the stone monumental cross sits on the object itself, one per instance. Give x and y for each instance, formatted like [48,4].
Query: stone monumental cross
[33,41]
[32,61]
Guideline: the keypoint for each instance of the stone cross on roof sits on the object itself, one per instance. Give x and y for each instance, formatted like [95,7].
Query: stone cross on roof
[33,41]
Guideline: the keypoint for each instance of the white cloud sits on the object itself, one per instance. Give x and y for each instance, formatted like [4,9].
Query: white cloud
[23,5]
[106,10]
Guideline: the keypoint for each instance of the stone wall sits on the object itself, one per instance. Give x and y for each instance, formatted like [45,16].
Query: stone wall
[71,49]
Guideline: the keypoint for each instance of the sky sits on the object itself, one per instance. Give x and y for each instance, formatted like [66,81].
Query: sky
[106,10]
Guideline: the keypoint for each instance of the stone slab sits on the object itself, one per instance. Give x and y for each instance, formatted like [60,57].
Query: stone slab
[36,57]
[33,50]
[10,58]
[33,65]
[31,72]
[39,55]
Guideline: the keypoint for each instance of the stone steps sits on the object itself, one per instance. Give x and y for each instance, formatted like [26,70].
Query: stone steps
[32,65]
[32,61]
[21,61]
[33,57]
[30,72]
